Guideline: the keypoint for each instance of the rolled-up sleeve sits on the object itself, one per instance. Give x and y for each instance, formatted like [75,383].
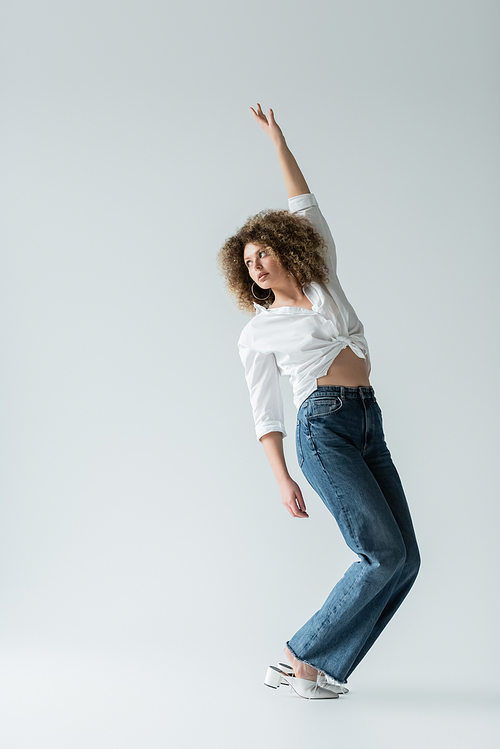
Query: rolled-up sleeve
[262,376]
[306,205]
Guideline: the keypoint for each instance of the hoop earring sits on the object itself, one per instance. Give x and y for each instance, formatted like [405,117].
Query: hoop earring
[260,298]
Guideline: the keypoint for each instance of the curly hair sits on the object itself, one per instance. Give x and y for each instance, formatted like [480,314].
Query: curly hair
[290,239]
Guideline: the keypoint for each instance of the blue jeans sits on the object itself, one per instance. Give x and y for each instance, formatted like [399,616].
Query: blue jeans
[342,453]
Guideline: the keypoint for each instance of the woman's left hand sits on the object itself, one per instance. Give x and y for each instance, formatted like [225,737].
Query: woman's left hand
[269,126]
[292,498]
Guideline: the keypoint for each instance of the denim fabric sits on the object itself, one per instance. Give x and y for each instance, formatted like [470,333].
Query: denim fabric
[342,452]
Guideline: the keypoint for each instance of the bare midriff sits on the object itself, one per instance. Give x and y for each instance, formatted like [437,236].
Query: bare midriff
[346,369]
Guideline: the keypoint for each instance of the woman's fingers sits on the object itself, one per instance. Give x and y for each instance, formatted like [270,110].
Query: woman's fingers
[292,498]
[301,510]
[259,117]
[269,126]
[296,505]
[300,501]
[259,114]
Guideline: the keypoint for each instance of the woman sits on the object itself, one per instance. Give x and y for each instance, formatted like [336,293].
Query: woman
[281,265]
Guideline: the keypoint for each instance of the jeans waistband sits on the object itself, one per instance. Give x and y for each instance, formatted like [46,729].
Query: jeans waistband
[343,391]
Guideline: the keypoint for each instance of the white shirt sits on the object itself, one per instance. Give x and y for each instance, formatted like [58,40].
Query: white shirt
[298,342]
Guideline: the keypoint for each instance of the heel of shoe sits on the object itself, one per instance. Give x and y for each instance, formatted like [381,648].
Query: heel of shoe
[273,678]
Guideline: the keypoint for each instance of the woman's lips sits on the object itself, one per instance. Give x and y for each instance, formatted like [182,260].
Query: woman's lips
[260,278]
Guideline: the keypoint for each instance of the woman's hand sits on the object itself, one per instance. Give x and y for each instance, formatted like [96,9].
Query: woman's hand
[269,126]
[292,498]
[294,179]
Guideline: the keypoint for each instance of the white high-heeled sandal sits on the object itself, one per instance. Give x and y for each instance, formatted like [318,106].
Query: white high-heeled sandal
[287,669]
[310,690]
[326,682]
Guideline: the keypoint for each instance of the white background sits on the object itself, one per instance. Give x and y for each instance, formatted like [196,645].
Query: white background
[149,573]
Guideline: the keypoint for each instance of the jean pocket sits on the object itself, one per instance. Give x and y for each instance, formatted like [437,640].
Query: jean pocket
[324,406]
[298,444]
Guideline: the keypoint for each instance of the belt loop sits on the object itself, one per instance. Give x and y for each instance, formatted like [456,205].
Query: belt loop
[360,391]
[342,392]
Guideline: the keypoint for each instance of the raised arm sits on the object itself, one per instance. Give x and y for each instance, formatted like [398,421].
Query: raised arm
[294,179]
[297,186]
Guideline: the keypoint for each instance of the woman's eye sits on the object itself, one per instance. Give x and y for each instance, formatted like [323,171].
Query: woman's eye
[262,252]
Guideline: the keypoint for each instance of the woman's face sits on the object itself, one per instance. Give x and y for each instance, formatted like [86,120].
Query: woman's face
[263,268]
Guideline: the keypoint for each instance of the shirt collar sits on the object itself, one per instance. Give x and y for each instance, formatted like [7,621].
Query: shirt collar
[311,290]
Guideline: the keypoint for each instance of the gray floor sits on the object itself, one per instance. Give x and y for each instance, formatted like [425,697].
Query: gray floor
[73,700]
